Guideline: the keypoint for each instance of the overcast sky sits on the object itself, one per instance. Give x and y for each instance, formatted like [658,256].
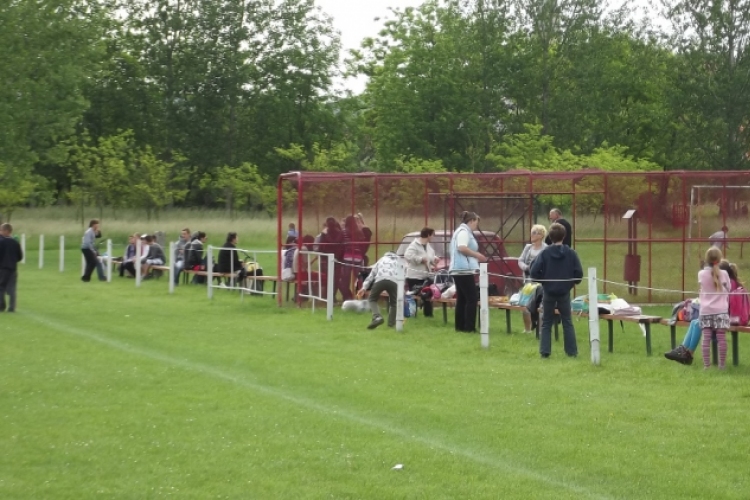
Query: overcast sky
[355,20]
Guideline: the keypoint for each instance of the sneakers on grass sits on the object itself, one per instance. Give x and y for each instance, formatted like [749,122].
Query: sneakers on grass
[376,322]
[680,354]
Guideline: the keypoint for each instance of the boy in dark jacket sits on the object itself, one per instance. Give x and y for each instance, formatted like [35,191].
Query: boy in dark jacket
[558,268]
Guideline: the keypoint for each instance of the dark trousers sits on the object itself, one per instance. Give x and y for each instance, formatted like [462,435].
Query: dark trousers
[127,266]
[562,304]
[467,300]
[389,287]
[91,263]
[426,304]
[8,281]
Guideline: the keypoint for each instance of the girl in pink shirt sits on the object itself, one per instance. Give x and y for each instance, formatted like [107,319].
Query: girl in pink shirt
[714,315]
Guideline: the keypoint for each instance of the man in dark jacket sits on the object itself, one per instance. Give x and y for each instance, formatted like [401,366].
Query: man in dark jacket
[555,216]
[10,255]
[558,268]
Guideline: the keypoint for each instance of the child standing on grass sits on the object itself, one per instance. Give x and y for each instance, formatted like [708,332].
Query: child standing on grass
[714,315]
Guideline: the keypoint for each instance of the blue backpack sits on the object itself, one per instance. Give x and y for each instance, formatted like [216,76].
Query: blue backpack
[410,306]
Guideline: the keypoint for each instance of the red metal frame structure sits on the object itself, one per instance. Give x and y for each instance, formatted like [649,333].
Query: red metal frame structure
[592,200]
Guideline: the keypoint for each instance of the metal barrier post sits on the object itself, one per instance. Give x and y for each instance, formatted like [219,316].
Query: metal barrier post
[41,251]
[593,318]
[399,298]
[138,248]
[172,263]
[330,291]
[484,309]
[210,272]
[109,261]
[62,253]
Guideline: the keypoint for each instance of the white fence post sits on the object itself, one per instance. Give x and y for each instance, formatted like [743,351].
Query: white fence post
[23,248]
[399,297]
[137,262]
[172,263]
[109,261]
[329,287]
[62,253]
[41,251]
[484,309]
[594,317]
[210,272]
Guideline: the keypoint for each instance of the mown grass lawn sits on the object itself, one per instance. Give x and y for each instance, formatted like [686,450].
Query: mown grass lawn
[107,391]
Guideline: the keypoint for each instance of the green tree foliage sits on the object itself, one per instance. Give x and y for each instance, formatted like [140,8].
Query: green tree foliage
[713,79]
[240,187]
[17,185]
[435,93]
[47,49]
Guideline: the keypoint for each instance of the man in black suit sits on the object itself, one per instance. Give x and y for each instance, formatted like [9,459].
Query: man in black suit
[555,216]
[10,256]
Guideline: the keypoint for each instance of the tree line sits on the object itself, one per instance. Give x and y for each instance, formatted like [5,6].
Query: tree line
[157,103]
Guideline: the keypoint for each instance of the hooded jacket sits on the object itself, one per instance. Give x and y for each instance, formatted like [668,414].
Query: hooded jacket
[384,269]
[557,262]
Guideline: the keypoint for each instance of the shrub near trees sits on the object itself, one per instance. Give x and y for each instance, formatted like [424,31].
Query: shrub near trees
[205,103]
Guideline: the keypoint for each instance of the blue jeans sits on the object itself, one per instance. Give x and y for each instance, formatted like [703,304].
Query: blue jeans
[693,336]
[562,304]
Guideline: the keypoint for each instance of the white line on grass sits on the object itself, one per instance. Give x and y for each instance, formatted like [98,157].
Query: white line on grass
[479,457]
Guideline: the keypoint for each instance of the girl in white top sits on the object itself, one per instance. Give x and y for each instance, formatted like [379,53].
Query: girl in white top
[714,315]
[530,251]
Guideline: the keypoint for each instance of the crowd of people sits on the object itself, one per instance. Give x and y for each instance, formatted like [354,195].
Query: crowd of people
[189,255]
[547,260]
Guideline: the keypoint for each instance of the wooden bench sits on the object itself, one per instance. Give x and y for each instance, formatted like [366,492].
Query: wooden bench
[160,270]
[734,330]
[641,319]
[493,302]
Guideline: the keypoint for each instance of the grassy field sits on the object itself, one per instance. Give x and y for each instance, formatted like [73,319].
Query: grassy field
[108,391]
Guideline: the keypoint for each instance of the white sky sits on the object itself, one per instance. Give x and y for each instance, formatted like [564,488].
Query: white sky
[355,20]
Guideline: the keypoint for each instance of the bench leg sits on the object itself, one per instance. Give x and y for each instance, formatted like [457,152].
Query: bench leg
[611,333]
[445,313]
[507,320]
[735,349]
[648,339]
[673,335]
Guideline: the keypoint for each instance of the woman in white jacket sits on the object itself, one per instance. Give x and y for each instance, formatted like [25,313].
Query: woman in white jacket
[420,263]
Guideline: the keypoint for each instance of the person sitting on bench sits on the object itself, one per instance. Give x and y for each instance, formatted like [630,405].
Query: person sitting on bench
[229,261]
[154,257]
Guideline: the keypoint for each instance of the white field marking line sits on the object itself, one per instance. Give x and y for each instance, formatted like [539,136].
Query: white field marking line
[479,457]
